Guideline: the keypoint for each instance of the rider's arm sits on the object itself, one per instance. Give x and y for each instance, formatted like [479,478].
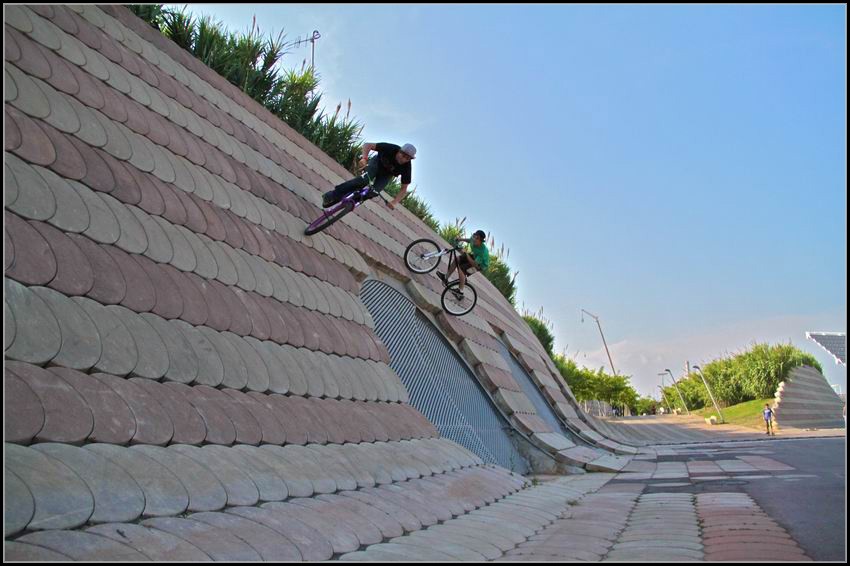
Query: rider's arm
[400,196]
[367,147]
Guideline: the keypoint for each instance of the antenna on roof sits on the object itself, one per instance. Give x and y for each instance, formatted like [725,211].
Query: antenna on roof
[311,40]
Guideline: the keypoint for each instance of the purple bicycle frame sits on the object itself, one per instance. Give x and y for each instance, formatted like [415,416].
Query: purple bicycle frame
[350,198]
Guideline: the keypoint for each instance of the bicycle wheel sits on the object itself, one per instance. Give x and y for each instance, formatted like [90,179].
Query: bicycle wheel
[458,304]
[326,219]
[422,256]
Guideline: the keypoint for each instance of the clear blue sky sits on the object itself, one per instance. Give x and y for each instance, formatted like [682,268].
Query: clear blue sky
[679,171]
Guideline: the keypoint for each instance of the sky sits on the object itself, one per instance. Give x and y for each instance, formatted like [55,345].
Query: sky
[679,171]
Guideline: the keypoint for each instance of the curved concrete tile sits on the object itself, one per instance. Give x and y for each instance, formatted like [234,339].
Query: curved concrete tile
[114,421]
[119,355]
[183,364]
[219,428]
[117,497]
[24,413]
[206,493]
[210,366]
[20,505]
[311,544]
[153,425]
[155,544]
[189,426]
[67,417]
[219,544]
[153,356]
[62,499]
[37,335]
[80,342]
[240,489]
[83,546]
[165,494]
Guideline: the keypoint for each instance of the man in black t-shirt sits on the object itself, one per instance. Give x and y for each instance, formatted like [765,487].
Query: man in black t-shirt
[390,161]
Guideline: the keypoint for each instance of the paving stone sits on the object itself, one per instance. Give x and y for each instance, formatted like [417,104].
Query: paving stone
[79,545]
[327,519]
[257,372]
[154,544]
[241,490]
[271,430]
[153,426]
[114,421]
[80,341]
[37,335]
[312,544]
[210,366]
[270,544]
[165,494]
[109,286]
[219,428]
[61,499]
[20,504]
[67,417]
[119,355]
[220,544]
[18,551]
[485,549]
[183,364]
[103,225]
[270,485]
[302,409]
[74,274]
[24,413]
[235,371]
[160,249]
[33,197]
[456,551]
[153,355]
[117,497]
[189,426]
[205,491]
[294,374]
[247,428]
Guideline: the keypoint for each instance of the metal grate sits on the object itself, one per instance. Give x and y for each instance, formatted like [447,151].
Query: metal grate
[440,385]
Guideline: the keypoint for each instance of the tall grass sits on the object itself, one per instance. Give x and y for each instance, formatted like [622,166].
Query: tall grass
[752,374]
[253,62]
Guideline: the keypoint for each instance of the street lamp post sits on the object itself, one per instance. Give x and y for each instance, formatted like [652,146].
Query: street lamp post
[687,412]
[699,370]
[604,343]
[664,397]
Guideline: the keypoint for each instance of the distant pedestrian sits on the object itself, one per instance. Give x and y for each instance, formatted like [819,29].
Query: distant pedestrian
[768,419]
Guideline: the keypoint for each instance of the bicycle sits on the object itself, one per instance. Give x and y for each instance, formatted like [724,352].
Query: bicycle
[343,207]
[423,256]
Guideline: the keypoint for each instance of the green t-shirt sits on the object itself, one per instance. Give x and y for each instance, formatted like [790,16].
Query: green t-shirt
[481,255]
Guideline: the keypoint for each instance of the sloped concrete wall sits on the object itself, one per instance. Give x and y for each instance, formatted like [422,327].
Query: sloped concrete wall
[174,344]
[805,400]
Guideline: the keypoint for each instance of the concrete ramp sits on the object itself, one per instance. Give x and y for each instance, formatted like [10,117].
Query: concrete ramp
[805,400]
[187,375]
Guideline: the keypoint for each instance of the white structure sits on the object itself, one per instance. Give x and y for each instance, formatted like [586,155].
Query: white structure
[833,342]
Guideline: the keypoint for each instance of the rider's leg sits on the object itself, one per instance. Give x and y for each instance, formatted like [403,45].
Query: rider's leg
[462,278]
[343,189]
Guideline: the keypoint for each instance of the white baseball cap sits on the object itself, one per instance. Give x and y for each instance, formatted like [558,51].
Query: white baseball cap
[409,150]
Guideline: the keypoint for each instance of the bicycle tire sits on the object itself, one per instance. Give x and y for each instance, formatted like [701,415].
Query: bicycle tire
[448,304]
[407,255]
[328,220]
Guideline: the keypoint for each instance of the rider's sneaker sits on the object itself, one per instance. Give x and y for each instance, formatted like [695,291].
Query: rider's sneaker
[329,199]
[458,294]
[442,276]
